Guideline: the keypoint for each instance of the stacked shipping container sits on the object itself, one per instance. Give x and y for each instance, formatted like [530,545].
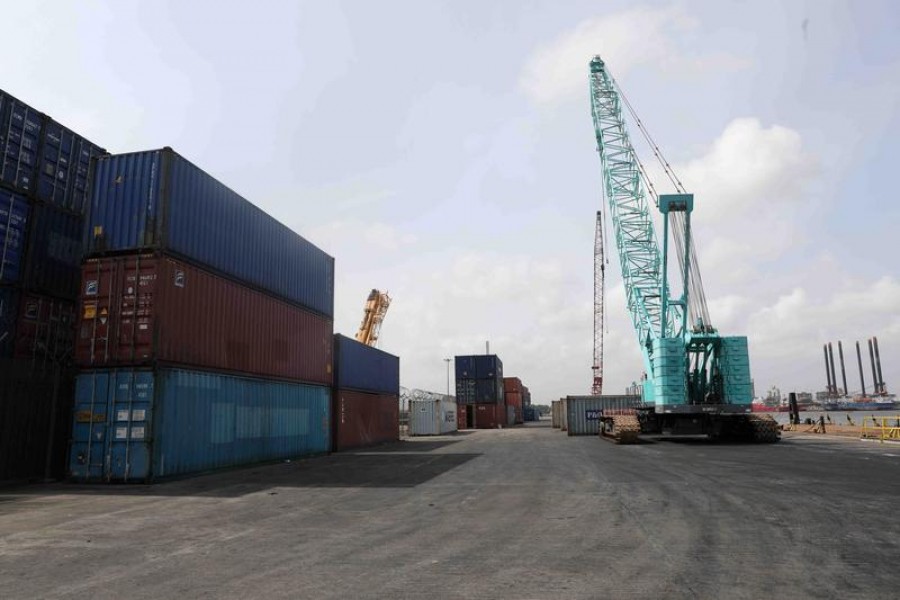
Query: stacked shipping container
[514,392]
[45,174]
[204,328]
[479,391]
[366,408]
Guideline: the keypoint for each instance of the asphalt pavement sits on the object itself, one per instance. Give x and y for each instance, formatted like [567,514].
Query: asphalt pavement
[518,513]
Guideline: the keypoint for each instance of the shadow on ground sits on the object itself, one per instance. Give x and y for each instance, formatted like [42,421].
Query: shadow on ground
[396,465]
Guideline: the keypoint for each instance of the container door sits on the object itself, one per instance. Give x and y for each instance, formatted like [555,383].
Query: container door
[90,443]
[130,440]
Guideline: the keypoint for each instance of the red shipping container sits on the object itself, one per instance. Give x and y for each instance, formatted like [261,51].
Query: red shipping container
[45,329]
[145,309]
[360,419]
[512,384]
[489,416]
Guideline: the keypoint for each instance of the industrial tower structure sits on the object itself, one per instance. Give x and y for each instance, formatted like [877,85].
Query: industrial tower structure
[599,301]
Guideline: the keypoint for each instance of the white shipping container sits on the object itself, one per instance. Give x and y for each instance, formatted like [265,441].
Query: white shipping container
[583,412]
[432,417]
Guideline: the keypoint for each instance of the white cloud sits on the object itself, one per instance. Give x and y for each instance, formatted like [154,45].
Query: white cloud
[749,169]
[639,36]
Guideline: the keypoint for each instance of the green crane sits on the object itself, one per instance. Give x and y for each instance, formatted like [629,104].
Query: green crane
[697,381]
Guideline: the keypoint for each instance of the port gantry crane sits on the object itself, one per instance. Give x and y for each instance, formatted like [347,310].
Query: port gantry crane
[599,306]
[697,381]
[376,308]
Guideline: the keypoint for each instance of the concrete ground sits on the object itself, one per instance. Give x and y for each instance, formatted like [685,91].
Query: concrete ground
[518,513]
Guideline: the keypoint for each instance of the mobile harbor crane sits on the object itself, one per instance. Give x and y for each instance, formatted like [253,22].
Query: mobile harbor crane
[697,381]
[376,308]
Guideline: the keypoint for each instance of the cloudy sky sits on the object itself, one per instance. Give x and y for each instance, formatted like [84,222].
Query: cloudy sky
[444,151]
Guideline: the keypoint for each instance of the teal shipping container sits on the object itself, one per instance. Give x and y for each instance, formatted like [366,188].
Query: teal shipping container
[140,425]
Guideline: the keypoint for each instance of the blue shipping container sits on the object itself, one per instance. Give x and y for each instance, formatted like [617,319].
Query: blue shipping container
[141,425]
[20,134]
[14,215]
[363,368]
[159,200]
[65,167]
[479,366]
[53,257]
[465,367]
[9,312]
[488,366]
[465,391]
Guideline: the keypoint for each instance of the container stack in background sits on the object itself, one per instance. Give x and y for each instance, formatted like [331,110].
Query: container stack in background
[517,396]
[204,328]
[366,401]
[480,393]
[45,179]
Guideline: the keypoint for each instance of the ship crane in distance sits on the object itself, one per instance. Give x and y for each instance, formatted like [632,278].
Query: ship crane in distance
[373,316]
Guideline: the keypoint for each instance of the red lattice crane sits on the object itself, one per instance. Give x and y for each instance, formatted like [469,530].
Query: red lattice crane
[599,280]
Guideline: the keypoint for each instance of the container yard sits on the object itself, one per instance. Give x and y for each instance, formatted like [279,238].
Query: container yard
[180,416]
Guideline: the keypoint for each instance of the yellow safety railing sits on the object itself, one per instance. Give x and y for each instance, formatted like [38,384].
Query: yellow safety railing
[881,428]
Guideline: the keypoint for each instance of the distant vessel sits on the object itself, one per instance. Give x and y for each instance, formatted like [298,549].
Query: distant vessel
[887,402]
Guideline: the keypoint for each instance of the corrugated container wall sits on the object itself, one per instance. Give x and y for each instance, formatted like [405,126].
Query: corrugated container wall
[20,139]
[141,425]
[144,309]
[432,417]
[64,172]
[555,417]
[583,412]
[363,419]
[361,367]
[9,314]
[44,331]
[53,259]
[43,159]
[15,213]
[35,416]
[158,200]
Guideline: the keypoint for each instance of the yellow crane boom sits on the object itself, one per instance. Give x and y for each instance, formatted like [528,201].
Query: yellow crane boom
[376,307]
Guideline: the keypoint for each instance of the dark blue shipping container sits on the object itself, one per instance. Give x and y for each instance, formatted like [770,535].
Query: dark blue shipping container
[53,258]
[488,366]
[141,425]
[465,367]
[42,158]
[465,391]
[20,134]
[65,166]
[14,216]
[479,366]
[364,368]
[9,312]
[488,391]
[159,200]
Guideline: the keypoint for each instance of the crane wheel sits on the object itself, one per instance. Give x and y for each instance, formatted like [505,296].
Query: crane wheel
[765,429]
[620,429]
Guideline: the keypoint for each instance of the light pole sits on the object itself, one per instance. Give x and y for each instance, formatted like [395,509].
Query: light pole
[447,360]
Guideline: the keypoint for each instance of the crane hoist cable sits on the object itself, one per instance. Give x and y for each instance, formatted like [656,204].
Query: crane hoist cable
[698,307]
